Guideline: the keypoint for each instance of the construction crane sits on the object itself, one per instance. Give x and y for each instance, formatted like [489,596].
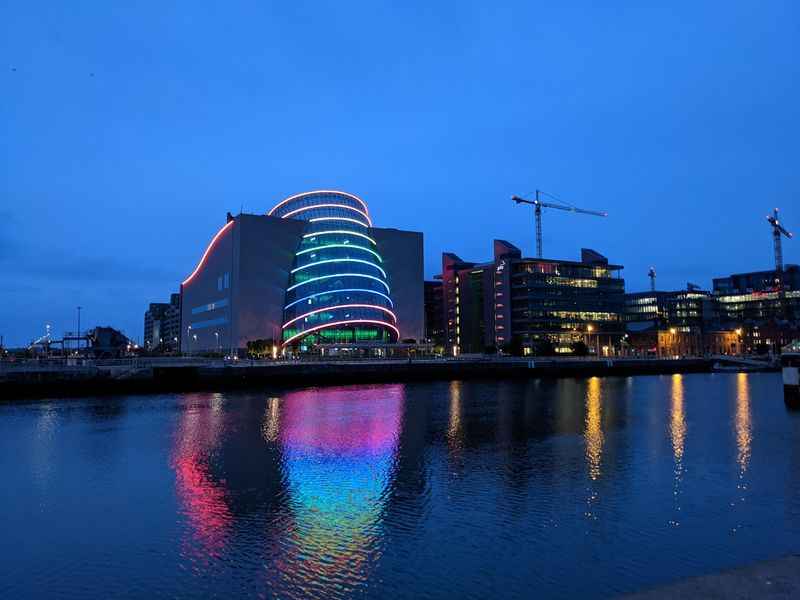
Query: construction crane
[777,231]
[652,275]
[538,205]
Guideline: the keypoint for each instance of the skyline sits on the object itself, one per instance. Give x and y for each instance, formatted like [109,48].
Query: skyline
[133,133]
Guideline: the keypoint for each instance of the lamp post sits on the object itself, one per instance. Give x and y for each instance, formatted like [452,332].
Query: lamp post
[216,335]
[590,329]
[189,340]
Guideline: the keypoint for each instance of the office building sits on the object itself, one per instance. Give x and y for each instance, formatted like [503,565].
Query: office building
[312,272]
[689,308]
[162,325]
[763,305]
[758,297]
[532,305]
[434,314]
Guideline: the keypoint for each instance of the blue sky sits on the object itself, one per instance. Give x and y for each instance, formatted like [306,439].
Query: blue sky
[130,129]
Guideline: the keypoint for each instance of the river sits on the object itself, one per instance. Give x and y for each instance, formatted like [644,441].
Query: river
[515,489]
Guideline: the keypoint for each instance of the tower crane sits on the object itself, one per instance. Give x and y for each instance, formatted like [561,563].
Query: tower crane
[777,231]
[652,275]
[538,205]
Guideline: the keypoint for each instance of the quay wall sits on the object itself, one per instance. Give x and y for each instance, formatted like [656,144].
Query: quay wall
[141,377]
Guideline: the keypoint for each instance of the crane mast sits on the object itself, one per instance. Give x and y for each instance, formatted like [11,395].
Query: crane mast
[538,204]
[777,231]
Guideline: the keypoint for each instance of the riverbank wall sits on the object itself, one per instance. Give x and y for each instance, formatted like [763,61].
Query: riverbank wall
[143,377]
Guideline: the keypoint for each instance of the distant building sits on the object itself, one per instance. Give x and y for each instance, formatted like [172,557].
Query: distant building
[434,313]
[162,325]
[681,308]
[532,305]
[696,342]
[311,273]
[757,297]
[764,305]
[107,342]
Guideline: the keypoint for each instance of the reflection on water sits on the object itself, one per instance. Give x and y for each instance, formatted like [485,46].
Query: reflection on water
[594,427]
[593,434]
[455,428]
[202,499]
[677,431]
[272,420]
[744,434]
[338,447]
[440,490]
[744,438]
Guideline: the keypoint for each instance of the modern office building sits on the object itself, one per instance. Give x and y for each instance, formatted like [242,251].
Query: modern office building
[764,305]
[758,296]
[681,308]
[162,325]
[532,305]
[312,271]
[434,313]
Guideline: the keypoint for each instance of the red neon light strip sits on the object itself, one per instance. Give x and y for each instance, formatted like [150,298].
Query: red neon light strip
[205,254]
[337,323]
[312,207]
[290,198]
[318,310]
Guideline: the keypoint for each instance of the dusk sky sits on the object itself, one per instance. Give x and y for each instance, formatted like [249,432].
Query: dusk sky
[129,129]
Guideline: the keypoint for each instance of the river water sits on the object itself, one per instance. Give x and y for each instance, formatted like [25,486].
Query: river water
[551,488]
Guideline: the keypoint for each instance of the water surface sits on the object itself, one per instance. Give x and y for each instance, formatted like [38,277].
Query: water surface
[552,488]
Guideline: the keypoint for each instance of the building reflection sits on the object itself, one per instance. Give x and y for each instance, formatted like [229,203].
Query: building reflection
[338,447]
[455,426]
[593,439]
[593,431]
[201,497]
[744,436]
[677,432]
[744,433]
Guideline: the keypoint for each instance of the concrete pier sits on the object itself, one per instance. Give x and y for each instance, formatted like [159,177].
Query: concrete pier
[790,362]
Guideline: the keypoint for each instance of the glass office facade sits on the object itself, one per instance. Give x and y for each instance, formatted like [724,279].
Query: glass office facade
[338,290]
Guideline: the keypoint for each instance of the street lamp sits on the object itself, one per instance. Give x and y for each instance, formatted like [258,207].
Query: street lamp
[189,340]
[216,335]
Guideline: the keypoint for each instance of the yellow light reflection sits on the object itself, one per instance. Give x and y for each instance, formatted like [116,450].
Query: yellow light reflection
[744,431]
[744,439]
[272,420]
[455,427]
[594,428]
[677,430]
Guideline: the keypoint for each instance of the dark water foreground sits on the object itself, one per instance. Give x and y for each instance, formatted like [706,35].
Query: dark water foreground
[550,488]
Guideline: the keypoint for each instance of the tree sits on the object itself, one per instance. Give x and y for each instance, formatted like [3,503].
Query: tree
[260,348]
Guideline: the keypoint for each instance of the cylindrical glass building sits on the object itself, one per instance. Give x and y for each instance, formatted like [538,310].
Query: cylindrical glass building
[338,290]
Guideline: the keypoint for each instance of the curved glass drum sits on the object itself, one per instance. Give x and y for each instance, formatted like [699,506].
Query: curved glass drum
[338,288]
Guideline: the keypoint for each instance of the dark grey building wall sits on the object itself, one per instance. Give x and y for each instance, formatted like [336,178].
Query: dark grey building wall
[402,255]
[266,251]
[202,291]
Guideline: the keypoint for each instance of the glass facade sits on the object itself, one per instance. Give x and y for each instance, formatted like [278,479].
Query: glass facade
[338,290]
